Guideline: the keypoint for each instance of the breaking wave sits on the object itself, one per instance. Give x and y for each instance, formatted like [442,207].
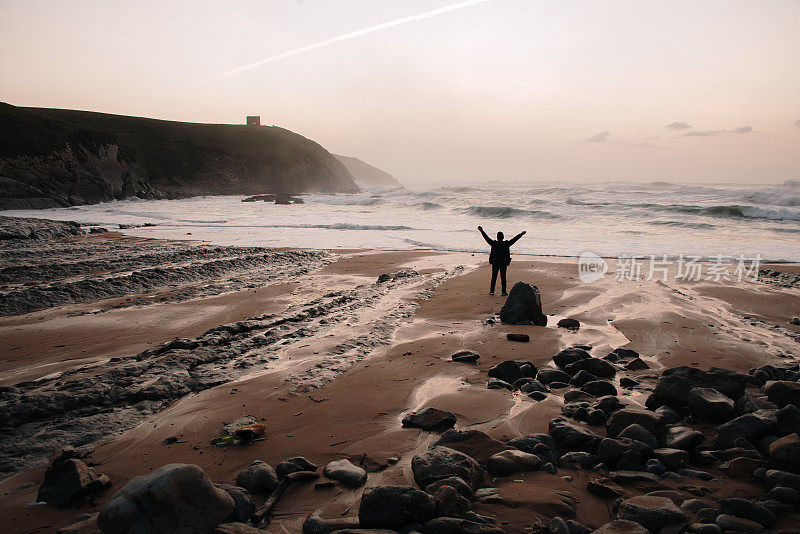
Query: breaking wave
[738,211]
[507,212]
[683,224]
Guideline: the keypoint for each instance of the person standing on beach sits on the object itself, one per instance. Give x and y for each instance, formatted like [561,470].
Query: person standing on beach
[499,257]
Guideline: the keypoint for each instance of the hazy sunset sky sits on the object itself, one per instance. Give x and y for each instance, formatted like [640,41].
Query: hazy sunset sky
[501,89]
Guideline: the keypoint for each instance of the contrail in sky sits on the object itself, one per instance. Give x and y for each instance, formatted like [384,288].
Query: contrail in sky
[357,33]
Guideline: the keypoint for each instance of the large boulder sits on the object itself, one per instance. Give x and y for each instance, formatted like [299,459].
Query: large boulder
[430,419]
[785,453]
[622,419]
[546,375]
[449,503]
[569,356]
[708,404]
[600,388]
[524,303]
[244,506]
[442,462]
[777,478]
[608,404]
[731,523]
[512,461]
[639,433]
[675,384]
[683,437]
[346,473]
[595,366]
[465,356]
[749,426]
[749,510]
[570,437]
[258,477]
[456,483]
[788,419]
[391,507]
[542,445]
[672,458]
[622,453]
[508,371]
[473,443]
[653,513]
[70,481]
[783,392]
[173,498]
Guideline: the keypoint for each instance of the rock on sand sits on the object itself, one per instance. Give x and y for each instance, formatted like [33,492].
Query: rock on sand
[173,498]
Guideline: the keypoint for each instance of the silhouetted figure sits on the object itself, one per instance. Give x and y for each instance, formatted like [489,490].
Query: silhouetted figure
[499,257]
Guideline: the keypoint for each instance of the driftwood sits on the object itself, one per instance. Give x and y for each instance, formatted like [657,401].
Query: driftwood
[260,518]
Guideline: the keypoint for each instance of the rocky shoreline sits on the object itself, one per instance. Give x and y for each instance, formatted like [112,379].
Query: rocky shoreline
[386,395]
[633,463]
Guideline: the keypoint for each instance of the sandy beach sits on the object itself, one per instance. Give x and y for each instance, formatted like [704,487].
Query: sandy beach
[330,360]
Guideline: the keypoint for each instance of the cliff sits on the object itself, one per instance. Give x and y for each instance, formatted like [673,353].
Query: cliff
[57,157]
[366,174]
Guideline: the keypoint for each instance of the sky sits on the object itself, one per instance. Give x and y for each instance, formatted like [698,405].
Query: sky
[442,90]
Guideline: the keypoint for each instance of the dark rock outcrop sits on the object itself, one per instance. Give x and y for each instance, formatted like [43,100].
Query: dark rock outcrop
[595,366]
[465,356]
[783,392]
[56,157]
[653,513]
[569,324]
[570,437]
[749,426]
[510,371]
[708,404]
[430,419]
[70,481]
[29,228]
[569,356]
[173,498]
[512,461]
[675,384]
[391,507]
[243,503]
[524,303]
[258,477]
[621,419]
[442,462]
[473,443]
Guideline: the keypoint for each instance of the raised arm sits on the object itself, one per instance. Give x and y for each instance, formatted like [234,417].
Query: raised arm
[515,238]
[486,237]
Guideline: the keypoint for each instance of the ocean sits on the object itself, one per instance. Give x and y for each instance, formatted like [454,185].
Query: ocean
[610,219]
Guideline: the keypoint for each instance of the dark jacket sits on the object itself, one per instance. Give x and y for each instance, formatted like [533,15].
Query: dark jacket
[501,253]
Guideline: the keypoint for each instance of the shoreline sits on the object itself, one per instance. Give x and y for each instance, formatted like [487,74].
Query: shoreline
[381,352]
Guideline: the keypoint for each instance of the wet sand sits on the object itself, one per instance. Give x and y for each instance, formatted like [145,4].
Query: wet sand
[340,389]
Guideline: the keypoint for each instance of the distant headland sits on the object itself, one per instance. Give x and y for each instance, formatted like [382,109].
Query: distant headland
[58,157]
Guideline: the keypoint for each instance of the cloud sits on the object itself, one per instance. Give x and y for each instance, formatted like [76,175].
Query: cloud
[704,133]
[602,137]
[741,130]
[678,126]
